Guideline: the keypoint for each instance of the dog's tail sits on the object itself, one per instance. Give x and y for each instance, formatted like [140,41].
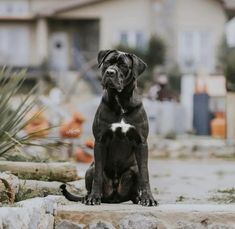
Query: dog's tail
[70,196]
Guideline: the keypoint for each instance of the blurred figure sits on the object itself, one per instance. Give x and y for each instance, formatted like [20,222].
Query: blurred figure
[152,93]
[164,93]
[161,90]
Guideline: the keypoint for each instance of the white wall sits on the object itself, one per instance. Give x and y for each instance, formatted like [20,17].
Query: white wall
[201,16]
[14,44]
[115,17]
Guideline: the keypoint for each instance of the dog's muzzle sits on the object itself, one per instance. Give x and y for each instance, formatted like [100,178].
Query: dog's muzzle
[112,79]
[110,73]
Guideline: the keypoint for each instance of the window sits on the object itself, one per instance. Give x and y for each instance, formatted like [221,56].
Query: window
[124,38]
[205,46]
[14,7]
[140,41]
[187,51]
[195,51]
[14,46]
[132,39]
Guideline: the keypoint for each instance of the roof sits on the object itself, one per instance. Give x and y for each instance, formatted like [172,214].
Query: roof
[28,17]
[69,6]
[229,6]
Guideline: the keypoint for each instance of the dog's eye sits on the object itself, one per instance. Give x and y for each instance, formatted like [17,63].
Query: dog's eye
[105,64]
[124,68]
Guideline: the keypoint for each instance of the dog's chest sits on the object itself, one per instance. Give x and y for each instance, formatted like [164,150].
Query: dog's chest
[123,109]
[120,148]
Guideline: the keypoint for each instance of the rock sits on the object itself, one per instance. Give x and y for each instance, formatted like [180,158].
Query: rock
[48,222]
[139,221]
[129,216]
[34,213]
[220,226]
[181,225]
[101,225]
[69,225]
[14,218]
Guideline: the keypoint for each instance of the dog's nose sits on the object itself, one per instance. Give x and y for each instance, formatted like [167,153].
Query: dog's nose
[110,72]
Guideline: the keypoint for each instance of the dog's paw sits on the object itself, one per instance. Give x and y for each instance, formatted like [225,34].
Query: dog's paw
[93,199]
[147,200]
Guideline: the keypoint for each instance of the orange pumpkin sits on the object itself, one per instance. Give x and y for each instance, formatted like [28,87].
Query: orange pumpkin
[90,143]
[77,117]
[38,124]
[82,156]
[72,128]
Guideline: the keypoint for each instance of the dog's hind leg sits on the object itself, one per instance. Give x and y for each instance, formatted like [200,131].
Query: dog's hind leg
[128,186]
[107,189]
[89,178]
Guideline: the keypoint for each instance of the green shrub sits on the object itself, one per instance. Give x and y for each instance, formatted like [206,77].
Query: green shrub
[174,76]
[153,54]
[226,63]
[137,51]
[230,70]
[12,119]
[156,52]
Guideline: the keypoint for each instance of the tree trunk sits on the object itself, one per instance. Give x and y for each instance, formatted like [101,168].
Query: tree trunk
[9,186]
[33,188]
[63,172]
[12,189]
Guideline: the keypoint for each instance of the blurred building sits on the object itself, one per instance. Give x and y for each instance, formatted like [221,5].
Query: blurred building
[62,35]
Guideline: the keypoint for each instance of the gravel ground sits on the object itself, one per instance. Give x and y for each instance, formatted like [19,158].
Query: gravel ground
[191,181]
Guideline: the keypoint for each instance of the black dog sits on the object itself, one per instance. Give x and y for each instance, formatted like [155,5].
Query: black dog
[120,171]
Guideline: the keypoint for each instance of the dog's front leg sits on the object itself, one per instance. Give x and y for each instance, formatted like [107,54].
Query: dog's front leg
[94,198]
[146,197]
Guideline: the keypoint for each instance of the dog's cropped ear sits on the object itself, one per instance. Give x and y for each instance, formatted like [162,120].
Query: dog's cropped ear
[138,65]
[102,55]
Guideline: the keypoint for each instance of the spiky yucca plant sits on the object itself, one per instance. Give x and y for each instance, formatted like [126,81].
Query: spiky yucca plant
[12,119]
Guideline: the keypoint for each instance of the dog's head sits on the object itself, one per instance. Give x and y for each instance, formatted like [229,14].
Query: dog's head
[119,69]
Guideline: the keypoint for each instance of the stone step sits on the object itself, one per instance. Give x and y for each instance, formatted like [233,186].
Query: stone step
[128,216]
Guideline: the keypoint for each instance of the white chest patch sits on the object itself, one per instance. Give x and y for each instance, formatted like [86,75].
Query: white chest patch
[125,126]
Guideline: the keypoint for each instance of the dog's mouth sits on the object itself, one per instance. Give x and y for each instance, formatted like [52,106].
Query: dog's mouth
[111,85]
[119,89]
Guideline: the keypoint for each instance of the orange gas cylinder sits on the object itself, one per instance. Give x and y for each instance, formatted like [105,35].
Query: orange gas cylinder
[218,125]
